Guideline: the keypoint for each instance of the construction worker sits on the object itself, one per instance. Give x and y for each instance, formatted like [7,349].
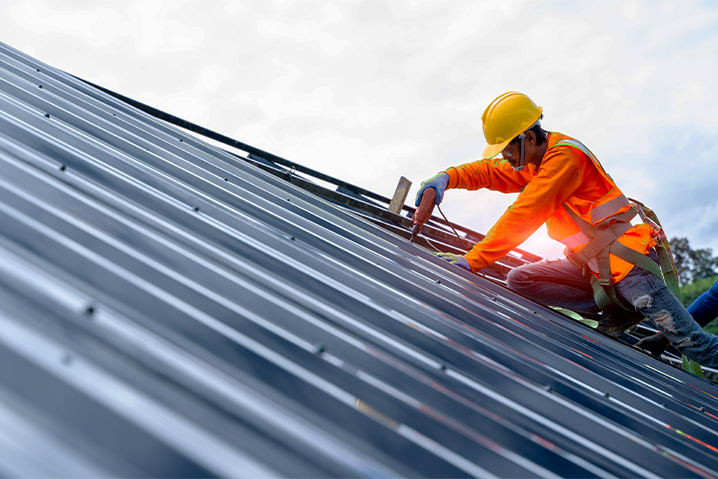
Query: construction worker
[561,183]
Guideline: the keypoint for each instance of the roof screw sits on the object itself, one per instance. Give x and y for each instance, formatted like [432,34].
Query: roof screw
[535,312]
[47,115]
[292,238]
[40,86]
[180,140]
[38,69]
[226,179]
[287,199]
[548,388]
[606,395]
[90,310]
[702,409]
[664,404]
[438,281]
[493,298]
[114,114]
[443,367]
[319,349]
[63,168]
[196,208]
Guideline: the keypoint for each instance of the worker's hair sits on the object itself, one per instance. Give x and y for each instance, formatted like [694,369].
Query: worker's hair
[541,134]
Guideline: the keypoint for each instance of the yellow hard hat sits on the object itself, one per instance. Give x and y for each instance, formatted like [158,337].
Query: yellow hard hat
[507,117]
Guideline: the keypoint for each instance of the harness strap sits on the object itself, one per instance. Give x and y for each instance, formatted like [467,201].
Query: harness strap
[603,235]
[605,277]
[585,227]
[663,248]
[599,294]
[616,298]
[594,247]
[637,259]
[670,276]
[603,296]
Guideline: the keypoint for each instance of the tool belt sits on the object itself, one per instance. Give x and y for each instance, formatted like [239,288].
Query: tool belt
[603,241]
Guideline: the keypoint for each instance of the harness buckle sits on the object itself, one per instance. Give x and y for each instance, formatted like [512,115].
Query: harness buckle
[656,230]
[605,281]
[571,257]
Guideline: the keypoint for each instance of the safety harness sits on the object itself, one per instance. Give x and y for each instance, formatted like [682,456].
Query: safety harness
[603,241]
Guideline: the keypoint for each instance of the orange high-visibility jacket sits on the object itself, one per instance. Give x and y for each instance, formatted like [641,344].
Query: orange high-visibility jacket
[569,174]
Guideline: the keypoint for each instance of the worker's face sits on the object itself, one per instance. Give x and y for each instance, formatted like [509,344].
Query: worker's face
[512,152]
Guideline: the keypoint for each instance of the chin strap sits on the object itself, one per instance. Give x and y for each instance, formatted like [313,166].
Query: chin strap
[522,136]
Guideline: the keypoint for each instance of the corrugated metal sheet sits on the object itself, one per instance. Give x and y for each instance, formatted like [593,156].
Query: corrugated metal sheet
[172,310]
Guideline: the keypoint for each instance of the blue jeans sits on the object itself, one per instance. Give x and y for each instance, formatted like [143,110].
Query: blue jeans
[559,283]
[705,309]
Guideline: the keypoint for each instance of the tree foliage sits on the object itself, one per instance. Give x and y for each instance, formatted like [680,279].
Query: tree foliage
[691,291]
[692,265]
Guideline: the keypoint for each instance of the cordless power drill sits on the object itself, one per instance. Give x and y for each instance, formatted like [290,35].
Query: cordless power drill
[423,212]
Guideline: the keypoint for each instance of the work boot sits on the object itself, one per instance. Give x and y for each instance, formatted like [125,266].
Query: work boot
[615,321]
[655,344]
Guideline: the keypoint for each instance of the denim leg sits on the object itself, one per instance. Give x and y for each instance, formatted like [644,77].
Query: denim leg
[556,283]
[705,309]
[655,301]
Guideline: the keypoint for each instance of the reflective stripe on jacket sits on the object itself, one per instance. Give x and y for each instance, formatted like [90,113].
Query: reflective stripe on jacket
[569,173]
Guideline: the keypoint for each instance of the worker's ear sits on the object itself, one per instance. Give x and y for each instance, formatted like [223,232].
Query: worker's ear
[531,137]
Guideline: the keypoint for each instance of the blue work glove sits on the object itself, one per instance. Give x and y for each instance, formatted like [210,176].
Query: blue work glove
[439,182]
[456,259]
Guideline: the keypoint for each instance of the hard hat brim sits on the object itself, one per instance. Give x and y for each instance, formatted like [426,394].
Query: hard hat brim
[493,150]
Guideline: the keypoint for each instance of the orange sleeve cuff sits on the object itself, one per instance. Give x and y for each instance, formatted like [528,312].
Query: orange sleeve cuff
[453,177]
[475,262]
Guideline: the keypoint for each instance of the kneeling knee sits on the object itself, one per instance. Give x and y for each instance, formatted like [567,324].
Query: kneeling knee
[516,279]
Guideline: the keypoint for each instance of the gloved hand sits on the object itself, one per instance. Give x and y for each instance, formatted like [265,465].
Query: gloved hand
[439,182]
[654,344]
[456,259]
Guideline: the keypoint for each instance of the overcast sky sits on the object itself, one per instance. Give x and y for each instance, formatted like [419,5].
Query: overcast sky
[371,90]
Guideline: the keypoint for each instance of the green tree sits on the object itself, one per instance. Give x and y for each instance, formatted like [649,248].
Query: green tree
[692,265]
[682,256]
[704,263]
[691,291]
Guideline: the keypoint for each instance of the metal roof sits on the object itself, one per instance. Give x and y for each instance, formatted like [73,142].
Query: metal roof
[171,309]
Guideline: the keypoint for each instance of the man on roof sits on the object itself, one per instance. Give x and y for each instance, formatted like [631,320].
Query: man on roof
[610,263]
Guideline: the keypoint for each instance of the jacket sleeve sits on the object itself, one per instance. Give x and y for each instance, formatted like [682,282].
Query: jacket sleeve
[495,174]
[557,179]
[705,308]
